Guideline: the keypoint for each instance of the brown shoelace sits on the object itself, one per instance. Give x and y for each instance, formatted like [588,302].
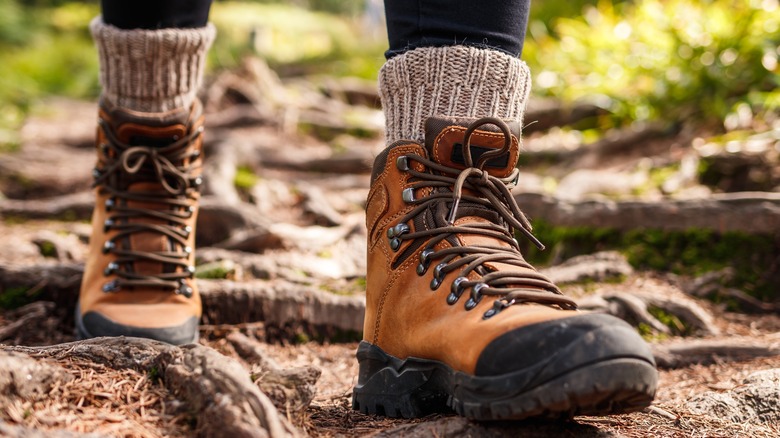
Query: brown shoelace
[473,192]
[126,164]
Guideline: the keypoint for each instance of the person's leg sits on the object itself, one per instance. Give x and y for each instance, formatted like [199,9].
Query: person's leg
[146,67]
[138,278]
[468,50]
[455,317]
[156,14]
[496,24]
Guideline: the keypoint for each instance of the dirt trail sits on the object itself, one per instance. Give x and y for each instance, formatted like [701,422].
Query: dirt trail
[281,263]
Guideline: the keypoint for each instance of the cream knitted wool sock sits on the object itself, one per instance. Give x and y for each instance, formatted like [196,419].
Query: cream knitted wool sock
[151,70]
[456,81]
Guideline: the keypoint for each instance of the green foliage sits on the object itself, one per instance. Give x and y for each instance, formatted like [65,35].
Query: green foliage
[293,40]
[691,252]
[652,59]
[42,52]
[15,27]
[350,7]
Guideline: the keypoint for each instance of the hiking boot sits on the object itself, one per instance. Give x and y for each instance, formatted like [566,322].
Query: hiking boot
[138,280]
[456,319]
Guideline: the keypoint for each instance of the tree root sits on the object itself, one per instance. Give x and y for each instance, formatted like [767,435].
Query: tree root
[635,308]
[680,354]
[280,303]
[215,388]
[720,212]
[290,389]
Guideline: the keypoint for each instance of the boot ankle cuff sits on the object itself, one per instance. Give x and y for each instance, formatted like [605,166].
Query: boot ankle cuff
[455,81]
[151,70]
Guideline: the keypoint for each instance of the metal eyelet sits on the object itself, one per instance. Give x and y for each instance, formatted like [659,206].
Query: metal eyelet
[109,204]
[198,181]
[184,289]
[111,286]
[187,231]
[437,280]
[108,246]
[397,230]
[191,269]
[107,224]
[191,209]
[422,268]
[498,306]
[456,290]
[110,269]
[395,243]
[96,173]
[476,296]
[402,163]
[408,195]
[187,250]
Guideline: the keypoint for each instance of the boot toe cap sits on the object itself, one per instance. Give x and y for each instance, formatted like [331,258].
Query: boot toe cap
[94,324]
[549,349]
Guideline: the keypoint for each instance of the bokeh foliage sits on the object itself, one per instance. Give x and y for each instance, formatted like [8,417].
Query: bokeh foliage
[667,59]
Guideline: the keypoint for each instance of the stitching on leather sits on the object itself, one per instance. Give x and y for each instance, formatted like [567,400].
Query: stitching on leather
[513,154]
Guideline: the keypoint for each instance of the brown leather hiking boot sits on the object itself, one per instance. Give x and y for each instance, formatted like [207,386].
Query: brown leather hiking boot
[455,317]
[138,279]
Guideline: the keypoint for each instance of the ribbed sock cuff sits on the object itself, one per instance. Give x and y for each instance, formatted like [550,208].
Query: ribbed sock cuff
[455,81]
[151,70]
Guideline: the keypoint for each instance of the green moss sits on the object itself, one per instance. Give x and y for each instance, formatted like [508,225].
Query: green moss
[15,297]
[691,252]
[154,374]
[215,271]
[48,249]
[675,324]
[352,287]
[245,178]
[301,338]
[650,335]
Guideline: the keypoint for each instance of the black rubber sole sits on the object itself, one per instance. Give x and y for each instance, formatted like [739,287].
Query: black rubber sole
[416,387]
[185,334]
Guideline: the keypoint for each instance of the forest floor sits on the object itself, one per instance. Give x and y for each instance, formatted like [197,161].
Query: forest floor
[281,242]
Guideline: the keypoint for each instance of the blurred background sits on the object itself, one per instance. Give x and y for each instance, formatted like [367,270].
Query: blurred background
[715,61]
[653,129]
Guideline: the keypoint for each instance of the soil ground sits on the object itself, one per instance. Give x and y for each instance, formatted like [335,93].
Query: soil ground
[276,185]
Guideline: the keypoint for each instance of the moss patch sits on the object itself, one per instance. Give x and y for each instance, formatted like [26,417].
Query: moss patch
[755,258]
[15,297]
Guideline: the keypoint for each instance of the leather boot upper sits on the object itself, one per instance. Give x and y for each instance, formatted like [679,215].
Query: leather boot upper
[139,274]
[445,275]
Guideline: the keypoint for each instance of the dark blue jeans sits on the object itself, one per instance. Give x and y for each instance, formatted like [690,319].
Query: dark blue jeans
[497,24]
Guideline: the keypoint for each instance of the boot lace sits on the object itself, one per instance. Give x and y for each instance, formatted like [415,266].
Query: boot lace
[473,191]
[126,164]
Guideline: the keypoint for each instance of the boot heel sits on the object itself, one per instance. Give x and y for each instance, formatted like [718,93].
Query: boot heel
[394,388]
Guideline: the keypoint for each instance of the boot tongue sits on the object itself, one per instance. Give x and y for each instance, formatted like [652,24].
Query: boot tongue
[150,129]
[444,140]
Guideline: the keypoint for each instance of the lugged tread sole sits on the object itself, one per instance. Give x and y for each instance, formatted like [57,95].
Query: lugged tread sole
[416,387]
